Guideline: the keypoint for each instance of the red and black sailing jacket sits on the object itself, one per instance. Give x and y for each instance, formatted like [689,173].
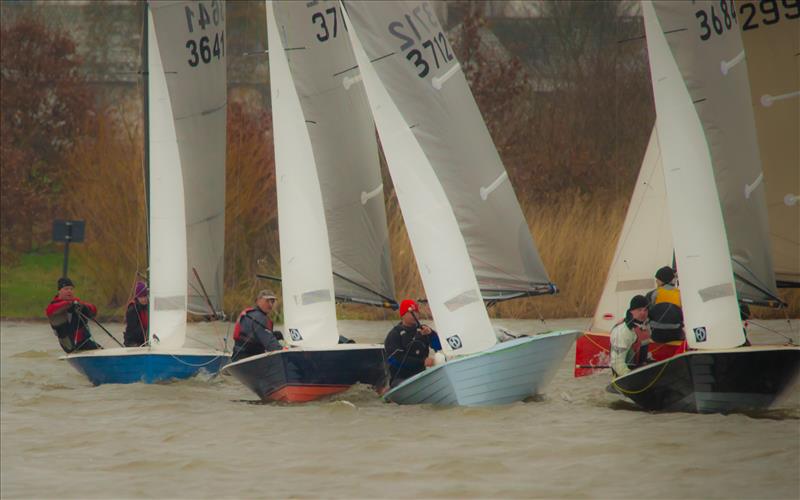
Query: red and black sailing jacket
[66,318]
[237,330]
[136,324]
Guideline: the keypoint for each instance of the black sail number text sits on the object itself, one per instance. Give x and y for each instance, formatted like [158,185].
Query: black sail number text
[421,30]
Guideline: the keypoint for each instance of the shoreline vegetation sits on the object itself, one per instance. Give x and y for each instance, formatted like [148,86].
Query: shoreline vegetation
[571,125]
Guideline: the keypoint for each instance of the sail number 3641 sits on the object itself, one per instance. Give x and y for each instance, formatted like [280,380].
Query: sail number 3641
[208,46]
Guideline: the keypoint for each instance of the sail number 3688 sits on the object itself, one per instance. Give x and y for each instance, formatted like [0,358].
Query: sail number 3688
[207,47]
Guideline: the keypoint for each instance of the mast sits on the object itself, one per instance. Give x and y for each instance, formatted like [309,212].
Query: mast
[146,122]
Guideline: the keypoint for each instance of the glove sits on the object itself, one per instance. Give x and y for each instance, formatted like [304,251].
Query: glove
[278,334]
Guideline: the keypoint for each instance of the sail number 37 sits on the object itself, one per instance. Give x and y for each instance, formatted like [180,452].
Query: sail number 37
[208,46]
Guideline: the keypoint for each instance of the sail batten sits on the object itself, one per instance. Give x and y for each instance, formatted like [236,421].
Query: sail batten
[774,72]
[439,248]
[714,70]
[197,86]
[344,146]
[698,228]
[307,275]
[435,102]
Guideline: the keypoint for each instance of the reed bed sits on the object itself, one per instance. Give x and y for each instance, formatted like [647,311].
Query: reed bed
[575,232]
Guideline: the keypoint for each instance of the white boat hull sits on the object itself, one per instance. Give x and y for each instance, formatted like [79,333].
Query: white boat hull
[508,372]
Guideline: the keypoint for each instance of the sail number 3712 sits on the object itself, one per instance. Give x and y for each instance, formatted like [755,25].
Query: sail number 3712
[432,49]
[211,44]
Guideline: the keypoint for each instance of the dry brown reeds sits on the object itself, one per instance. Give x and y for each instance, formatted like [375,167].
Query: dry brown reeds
[105,187]
[251,216]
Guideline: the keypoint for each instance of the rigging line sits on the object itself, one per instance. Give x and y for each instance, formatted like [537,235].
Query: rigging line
[758,287]
[388,299]
[205,294]
[85,317]
[776,332]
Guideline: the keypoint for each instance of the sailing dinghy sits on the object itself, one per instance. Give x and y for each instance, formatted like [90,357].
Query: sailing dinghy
[717,208]
[645,244]
[470,239]
[185,108]
[331,215]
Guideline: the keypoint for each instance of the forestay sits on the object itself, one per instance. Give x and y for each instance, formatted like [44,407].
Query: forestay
[772,44]
[707,48]
[708,295]
[307,281]
[645,242]
[444,264]
[191,40]
[416,65]
[166,211]
[344,145]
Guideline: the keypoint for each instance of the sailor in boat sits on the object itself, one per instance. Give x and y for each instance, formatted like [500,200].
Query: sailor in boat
[666,315]
[136,317]
[408,344]
[630,338]
[253,333]
[68,315]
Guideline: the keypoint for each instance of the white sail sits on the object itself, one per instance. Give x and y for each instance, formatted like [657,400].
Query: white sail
[167,214]
[416,65]
[772,46]
[645,242]
[707,48]
[307,280]
[191,41]
[708,296]
[344,144]
[442,258]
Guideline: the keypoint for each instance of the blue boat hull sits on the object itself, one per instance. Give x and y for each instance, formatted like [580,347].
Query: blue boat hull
[148,367]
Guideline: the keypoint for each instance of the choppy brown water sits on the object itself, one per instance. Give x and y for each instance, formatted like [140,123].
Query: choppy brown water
[61,437]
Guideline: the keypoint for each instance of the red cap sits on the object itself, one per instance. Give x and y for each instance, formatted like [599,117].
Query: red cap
[408,305]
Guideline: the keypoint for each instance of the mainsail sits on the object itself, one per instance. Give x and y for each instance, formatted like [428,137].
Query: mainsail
[439,248]
[416,65]
[191,41]
[307,279]
[711,312]
[772,44]
[706,45]
[645,242]
[344,146]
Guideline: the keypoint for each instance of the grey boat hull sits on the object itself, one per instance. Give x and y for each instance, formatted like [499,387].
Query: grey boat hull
[508,372]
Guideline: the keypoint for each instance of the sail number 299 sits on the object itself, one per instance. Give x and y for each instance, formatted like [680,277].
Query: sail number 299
[208,46]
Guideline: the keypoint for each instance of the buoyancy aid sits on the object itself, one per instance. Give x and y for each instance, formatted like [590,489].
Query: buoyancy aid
[237,330]
[667,293]
[138,332]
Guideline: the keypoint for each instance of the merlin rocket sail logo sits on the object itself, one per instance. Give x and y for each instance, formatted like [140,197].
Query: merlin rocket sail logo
[455,342]
[294,333]
[700,334]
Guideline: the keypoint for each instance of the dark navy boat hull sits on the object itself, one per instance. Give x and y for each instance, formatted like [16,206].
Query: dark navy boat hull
[722,381]
[299,375]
